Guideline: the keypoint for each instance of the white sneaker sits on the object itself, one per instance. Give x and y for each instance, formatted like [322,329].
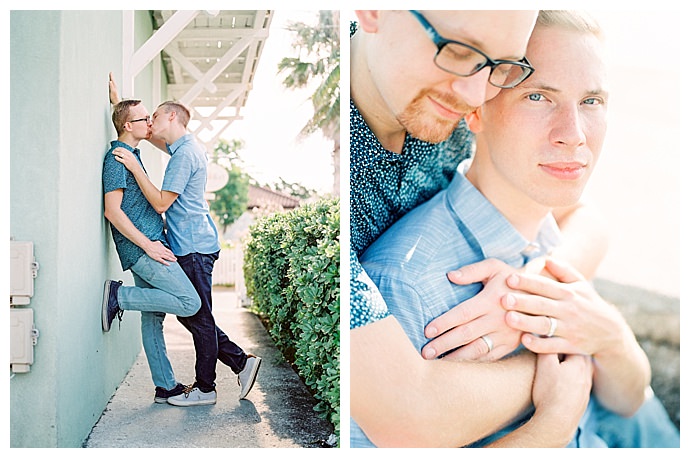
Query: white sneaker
[193,397]
[247,377]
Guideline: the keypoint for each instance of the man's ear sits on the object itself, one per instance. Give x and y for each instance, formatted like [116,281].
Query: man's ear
[474,120]
[368,20]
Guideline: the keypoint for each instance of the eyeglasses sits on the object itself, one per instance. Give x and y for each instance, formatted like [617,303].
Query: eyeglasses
[462,59]
[147,119]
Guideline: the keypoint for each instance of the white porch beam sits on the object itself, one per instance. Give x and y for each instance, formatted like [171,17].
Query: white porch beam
[192,69]
[217,69]
[220,107]
[160,39]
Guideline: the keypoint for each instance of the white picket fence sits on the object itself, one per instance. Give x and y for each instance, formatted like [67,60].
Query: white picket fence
[227,271]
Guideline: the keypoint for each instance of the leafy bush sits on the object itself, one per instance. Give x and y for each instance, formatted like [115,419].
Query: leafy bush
[292,273]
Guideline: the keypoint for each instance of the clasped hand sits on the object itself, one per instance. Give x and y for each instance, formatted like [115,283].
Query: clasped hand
[519,307]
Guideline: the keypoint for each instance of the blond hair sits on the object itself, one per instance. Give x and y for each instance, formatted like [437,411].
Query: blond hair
[577,21]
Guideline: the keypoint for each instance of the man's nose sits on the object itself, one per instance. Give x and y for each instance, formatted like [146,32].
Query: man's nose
[475,89]
[568,128]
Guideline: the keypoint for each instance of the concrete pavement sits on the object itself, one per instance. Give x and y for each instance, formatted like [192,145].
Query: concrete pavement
[278,412]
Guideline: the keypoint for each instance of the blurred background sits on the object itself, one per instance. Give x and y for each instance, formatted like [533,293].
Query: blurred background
[637,180]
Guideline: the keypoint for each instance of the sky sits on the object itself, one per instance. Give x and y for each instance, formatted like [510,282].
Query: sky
[273,117]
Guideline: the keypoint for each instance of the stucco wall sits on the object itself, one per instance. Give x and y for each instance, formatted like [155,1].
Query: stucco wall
[60,129]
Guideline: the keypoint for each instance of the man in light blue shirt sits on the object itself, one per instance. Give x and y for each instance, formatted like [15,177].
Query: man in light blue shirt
[537,145]
[189,224]
[194,241]
[409,261]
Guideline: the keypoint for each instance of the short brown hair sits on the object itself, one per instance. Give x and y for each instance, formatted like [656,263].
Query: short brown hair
[181,111]
[121,113]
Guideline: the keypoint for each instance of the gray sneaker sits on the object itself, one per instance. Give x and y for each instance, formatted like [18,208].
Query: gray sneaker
[193,397]
[109,307]
[247,377]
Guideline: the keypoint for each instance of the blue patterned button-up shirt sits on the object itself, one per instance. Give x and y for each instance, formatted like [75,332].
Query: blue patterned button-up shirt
[383,187]
[134,205]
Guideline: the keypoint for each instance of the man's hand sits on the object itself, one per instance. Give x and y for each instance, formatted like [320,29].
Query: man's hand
[158,252]
[114,97]
[584,323]
[127,158]
[465,324]
[561,393]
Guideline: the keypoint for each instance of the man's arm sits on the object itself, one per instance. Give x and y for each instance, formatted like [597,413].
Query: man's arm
[113,213]
[401,400]
[159,200]
[585,238]
[561,394]
[405,401]
[112,90]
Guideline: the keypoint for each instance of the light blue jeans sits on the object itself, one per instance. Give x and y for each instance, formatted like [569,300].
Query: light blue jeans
[159,290]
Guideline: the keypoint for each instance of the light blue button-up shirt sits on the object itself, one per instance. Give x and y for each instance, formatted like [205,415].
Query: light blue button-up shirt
[459,226]
[409,262]
[190,227]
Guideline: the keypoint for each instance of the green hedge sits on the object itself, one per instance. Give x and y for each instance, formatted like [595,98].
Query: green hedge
[292,273]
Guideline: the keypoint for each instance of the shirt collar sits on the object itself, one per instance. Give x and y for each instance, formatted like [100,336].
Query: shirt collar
[369,149]
[494,234]
[179,142]
[115,143]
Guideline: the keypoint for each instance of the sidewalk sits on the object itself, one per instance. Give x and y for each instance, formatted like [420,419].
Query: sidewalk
[276,413]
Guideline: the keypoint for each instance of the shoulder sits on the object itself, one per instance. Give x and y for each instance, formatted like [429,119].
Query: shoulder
[110,164]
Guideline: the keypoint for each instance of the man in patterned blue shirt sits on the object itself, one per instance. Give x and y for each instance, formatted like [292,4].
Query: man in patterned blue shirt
[537,145]
[161,285]
[407,96]
[194,240]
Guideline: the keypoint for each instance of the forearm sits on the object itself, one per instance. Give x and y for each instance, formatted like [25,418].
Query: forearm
[151,192]
[125,226]
[159,143]
[621,375]
[401,400]
[541,431]
[585,238]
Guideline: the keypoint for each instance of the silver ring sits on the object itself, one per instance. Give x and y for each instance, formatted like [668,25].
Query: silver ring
[552,327]
[489,343]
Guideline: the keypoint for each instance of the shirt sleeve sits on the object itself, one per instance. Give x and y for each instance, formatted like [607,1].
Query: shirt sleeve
[114,174]
[178,173]
[406,305]
[366,303]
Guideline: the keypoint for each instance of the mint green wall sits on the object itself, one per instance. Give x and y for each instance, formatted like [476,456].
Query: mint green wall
[60,129]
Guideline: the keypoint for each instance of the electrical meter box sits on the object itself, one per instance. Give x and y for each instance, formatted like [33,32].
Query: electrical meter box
[21,339]
[23,268]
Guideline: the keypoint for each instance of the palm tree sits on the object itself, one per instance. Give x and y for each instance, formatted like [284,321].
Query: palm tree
[318,60]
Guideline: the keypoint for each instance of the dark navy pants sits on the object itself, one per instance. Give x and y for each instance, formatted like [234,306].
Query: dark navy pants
[210,342]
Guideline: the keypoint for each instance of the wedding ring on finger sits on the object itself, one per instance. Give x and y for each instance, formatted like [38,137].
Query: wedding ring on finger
[489,343]
[552,326]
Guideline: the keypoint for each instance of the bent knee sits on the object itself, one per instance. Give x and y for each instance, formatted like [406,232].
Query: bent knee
[190,305]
